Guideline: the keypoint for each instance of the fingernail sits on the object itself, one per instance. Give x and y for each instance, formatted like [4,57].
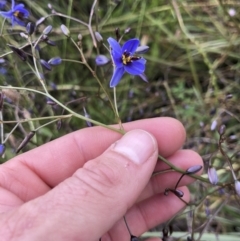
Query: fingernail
[136,145]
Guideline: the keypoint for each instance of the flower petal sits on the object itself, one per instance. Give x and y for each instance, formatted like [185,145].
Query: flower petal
[116,52]
[130,46]
[6,14]
[117,75]
[136,67]
[115,46]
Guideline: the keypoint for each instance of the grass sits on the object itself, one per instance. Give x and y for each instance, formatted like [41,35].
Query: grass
[193,67]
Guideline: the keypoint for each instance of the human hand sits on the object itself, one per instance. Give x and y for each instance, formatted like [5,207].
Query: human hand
[79,187]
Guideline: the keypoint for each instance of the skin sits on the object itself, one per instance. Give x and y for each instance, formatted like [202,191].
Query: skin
[79,186]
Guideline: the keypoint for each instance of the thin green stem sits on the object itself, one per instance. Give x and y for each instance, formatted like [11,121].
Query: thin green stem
[66,108]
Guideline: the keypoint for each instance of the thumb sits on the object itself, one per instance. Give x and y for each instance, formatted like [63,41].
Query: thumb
[88,204]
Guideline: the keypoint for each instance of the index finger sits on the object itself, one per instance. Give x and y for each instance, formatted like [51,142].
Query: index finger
[59,159]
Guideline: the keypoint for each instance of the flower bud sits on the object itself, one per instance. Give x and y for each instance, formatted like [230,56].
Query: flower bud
[19,52]
[127,30]
[2,149]
[55,61]
[98,36]
[117,32]
[142,49]
[65,30]
[47,30]
[212,175]
[213,125]
[30,28]
[237,187]
[45,64]
[23,35]
[50,42]
[101,60]
[41,20]
[79,37]
[193,169]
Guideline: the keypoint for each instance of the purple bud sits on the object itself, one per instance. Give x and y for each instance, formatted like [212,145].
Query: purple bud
[237,187]
[212,175]
[2,149]
[101,60]
[30,28]
[55,61]
[65,30]
[142,49]
[193,169]
[45,64]
[213,125]
[47,30]
[50,42]
[41,20]
[19,52]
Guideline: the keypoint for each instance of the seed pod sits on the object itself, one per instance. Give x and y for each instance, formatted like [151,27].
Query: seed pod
[117,32]
[212,175]
[19,52]
[193,169]
[25,141]
[178,192]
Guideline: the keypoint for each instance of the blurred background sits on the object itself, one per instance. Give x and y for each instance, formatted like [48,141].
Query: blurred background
[193,71]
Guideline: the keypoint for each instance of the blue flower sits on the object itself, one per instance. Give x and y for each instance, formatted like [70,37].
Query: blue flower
[17,14]
[125,60]
[2,3]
